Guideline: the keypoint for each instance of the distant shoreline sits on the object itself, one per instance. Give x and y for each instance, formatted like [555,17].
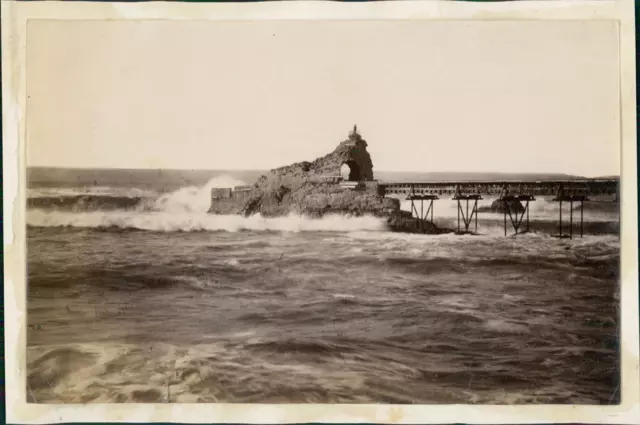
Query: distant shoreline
[37,174]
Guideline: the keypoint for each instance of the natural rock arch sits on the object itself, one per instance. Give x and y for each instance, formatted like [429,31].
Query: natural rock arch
[350,171]
[308,187]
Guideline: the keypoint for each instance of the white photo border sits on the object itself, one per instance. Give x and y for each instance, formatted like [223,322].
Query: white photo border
[15,17]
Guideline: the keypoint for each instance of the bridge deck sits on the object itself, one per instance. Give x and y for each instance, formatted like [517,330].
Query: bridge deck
[575,187]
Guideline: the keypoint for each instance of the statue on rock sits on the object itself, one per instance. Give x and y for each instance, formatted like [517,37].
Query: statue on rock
[354,135]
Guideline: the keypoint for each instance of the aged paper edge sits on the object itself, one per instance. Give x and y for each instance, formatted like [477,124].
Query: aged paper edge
[14,25]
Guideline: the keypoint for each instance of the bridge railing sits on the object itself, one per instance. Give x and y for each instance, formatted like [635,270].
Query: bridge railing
[587,187]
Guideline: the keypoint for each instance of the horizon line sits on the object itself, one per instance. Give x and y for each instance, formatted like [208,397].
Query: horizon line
[269,169]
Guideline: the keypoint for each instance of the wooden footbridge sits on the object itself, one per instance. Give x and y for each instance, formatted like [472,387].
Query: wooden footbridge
[513,194]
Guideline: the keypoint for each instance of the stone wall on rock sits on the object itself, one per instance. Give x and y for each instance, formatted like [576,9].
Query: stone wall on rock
[221,193]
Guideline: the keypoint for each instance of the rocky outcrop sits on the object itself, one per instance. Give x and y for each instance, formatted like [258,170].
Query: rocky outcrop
[498,206]
[316,199]
[404,222]
[313,188]
[353,153]
[317,188]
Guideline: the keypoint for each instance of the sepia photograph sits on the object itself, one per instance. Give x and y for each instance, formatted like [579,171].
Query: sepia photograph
[397,212]
[323,212]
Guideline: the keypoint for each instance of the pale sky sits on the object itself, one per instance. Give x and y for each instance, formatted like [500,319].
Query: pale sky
[427,96]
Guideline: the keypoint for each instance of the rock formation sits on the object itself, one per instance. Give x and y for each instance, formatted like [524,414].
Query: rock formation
[497,206]
[404,222]
[317,188]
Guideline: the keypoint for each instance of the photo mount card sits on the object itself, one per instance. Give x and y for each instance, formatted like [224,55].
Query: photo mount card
[294,212]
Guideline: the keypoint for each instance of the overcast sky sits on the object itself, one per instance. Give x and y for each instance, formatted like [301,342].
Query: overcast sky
[427,96]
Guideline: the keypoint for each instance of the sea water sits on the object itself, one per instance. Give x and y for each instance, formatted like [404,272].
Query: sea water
[136,294]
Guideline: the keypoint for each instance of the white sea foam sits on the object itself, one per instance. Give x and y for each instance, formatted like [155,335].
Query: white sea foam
[499,325]
[171,221]
[186,210]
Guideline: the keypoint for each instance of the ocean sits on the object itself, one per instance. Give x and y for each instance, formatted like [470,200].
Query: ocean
[136,294]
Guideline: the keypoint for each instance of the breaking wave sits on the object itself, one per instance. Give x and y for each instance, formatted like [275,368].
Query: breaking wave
[190,199]
[185,209]
[182,210]
[193,199]
[191,222]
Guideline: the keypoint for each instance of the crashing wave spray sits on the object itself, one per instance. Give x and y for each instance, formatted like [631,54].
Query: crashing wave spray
[193,199]
[186,210]
[190,222]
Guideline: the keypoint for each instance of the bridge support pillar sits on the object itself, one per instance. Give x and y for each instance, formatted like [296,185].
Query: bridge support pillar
[516,217]
[467,217]
[570,199]
[422,215]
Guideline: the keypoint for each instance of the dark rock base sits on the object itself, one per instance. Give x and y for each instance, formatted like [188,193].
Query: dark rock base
[498,206]
[403,222]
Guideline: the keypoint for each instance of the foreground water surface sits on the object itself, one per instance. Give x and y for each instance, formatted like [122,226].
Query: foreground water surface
[142,297]
[360,316]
